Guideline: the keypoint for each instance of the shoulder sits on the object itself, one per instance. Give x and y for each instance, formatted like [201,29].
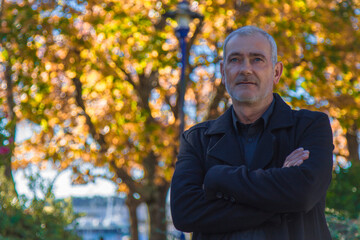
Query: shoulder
[305,114]
[311,120]
[198,129]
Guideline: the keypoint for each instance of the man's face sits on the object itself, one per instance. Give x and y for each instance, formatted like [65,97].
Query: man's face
[247,71]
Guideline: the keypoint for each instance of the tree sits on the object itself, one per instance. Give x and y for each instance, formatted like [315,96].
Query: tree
[104,85]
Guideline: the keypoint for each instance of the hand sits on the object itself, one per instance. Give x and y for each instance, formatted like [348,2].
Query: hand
[296,158]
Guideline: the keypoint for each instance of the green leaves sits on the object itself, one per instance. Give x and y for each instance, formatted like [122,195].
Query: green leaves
[38,219]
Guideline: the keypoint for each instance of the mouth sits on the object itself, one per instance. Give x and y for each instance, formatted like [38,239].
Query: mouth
[245,83]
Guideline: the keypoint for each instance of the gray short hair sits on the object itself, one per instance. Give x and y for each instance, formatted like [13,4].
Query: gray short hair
[248,31]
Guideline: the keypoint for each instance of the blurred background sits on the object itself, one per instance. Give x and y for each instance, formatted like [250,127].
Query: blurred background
[94,95]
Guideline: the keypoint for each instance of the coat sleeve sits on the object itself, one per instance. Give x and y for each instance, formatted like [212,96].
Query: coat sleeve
[192,212]
[292,189]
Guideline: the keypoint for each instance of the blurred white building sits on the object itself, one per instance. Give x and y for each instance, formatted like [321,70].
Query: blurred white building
[106,218]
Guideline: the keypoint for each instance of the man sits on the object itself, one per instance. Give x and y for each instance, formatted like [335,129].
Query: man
[261,170]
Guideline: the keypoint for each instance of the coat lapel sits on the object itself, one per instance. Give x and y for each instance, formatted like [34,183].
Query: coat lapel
[224,145]
[264,151]
[228,150]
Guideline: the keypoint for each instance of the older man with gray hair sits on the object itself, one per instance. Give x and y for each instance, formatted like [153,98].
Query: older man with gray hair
[261,170]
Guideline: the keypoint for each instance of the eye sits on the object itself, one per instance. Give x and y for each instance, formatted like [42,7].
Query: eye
[233,60]
[258,59]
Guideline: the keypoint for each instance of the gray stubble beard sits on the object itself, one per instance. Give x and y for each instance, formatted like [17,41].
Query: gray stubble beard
[238,99]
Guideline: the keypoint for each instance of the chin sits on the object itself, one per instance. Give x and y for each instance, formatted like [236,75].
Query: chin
[246,99]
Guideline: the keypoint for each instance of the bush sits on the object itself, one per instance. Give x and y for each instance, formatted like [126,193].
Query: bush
[342,227]
[36,219]
[344,191]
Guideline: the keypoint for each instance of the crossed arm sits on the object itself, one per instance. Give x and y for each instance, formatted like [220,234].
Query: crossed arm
[260,196]
[192,211]
[297,187]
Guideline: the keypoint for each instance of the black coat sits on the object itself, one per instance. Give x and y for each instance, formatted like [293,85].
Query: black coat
[214,195]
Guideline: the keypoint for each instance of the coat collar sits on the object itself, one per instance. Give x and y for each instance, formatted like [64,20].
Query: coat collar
[280,118]
[227,147]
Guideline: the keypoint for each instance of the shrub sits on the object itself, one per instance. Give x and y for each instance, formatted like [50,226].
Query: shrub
[37,219]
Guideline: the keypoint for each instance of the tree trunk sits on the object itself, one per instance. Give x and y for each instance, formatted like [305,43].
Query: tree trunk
[157,214]
[353,145]
[5,159]
[132,205]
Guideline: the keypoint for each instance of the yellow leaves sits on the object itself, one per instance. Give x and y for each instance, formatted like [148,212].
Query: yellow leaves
[44,125]
[154,54]
[48,66]
[100,37]
[220,1]
[190,95]
[38,97]
[53,121]
[286,8]
[123,188]
[131,41]
[61,53]
[70,74]
[115,140]
[24,97]
[168,173]
[330,69]
[84,54]
[53,75]
[299,51]
[3,55]
[166,70]
[119,106]
[300,4]
[315,27]
[101,86]
[92,78]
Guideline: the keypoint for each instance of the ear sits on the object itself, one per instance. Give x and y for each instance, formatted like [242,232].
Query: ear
[278,69]
[222,72]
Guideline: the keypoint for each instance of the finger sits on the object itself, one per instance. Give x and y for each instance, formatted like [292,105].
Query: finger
[305,155]
[296,151]
[298,163]
[299,156]
[297,159]
[293,164]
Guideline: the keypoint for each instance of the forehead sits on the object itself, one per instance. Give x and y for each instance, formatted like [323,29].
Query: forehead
[246,44]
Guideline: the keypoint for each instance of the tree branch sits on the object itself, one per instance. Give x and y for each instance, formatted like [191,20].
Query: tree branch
[97,136]
[129,77]
[353,144]
[126,178]
[121,173]
[193,38]
[172,108]
[9,93]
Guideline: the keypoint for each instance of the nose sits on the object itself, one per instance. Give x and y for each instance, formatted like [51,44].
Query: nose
[246,68]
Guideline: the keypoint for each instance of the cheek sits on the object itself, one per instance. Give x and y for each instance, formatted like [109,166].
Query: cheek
[232,74]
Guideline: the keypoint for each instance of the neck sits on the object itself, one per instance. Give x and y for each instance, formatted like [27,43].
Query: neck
[250,112]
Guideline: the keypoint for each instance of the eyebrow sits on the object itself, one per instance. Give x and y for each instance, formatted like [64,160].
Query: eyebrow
[252,54]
